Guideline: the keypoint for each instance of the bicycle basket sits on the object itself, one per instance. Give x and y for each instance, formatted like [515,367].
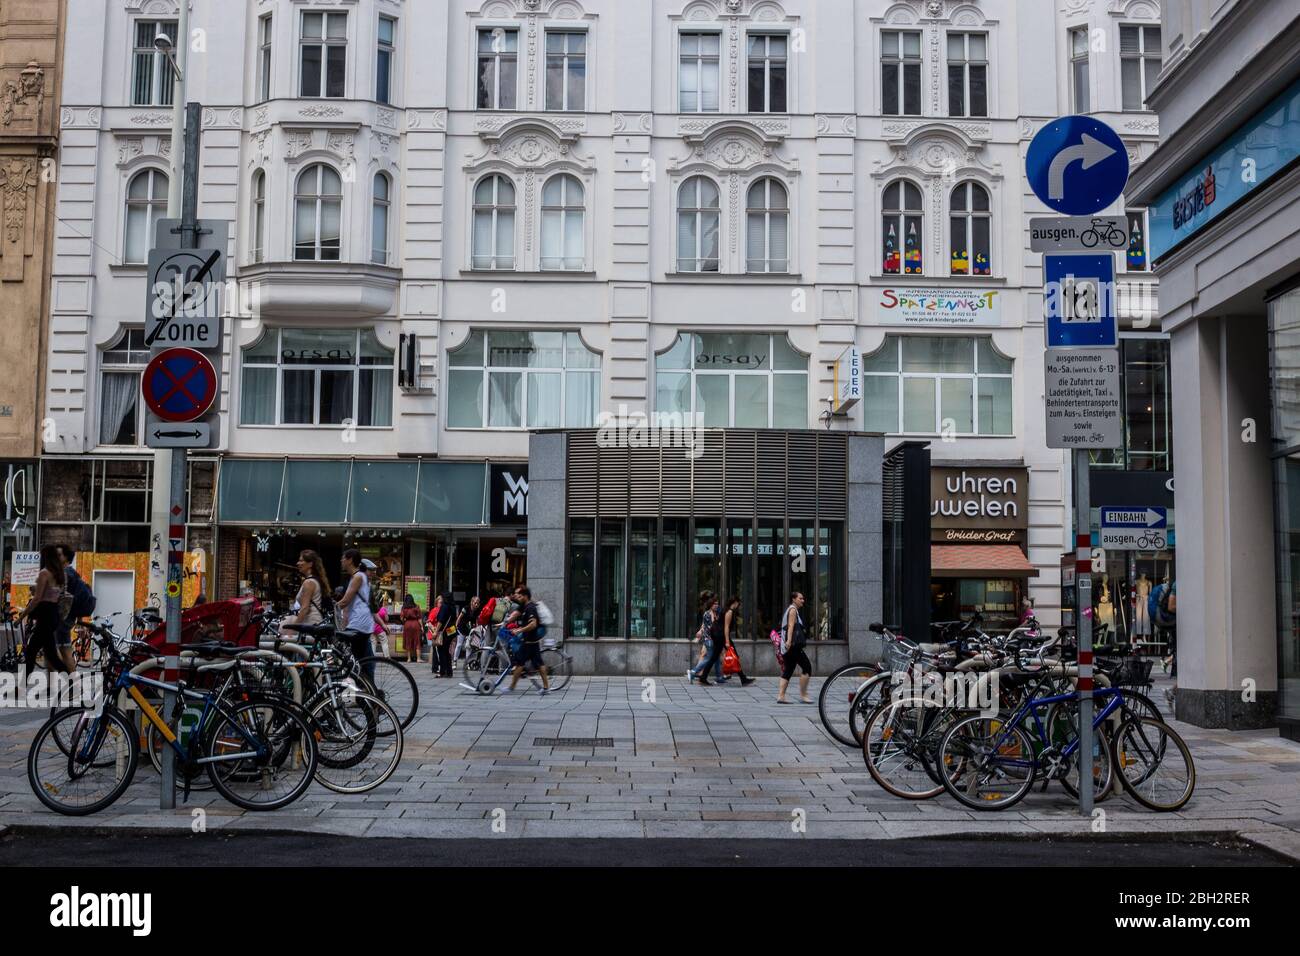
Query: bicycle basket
[1133,672]
[897,656]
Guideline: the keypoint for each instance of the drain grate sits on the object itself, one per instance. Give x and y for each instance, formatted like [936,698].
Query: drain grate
[573,741]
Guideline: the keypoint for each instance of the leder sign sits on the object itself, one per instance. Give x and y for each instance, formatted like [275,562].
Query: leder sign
[978,505]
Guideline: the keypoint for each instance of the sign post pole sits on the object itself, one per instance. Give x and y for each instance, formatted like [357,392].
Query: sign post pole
[1083,623]
[176,494]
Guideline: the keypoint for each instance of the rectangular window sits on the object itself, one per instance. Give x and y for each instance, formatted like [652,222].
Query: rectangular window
[1139,64]
[566,70]
[384,54]
[767,72]
[498,66]
[323,54]
[317,377]
[930,384]
[749,380]
[697,73]
[264,58]
[515,379]
[1079,69]
[151,76]
[900,73]
[968,74]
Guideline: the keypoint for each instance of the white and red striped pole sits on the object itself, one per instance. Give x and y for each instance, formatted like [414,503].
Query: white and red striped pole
[1083,622]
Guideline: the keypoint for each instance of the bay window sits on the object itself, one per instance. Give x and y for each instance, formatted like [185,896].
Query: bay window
[733,379]
[323,54]
[519,379]
[933,384]
[317,377]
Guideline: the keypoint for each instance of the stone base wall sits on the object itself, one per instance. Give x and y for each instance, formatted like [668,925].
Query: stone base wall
[1225,709]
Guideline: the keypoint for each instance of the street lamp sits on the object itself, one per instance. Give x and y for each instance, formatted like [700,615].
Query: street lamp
[163,44]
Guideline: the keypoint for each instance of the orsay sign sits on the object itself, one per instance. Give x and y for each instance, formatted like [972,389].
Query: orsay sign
[978,505]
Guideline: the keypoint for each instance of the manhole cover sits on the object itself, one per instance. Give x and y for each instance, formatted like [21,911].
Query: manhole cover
[573,741]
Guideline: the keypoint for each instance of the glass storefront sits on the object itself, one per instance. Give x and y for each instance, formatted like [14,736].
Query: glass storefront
[1284,367]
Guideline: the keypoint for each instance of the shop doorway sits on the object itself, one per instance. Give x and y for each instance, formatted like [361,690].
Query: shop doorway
[114,594]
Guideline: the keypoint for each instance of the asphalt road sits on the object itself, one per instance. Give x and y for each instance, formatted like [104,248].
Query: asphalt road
[97,848]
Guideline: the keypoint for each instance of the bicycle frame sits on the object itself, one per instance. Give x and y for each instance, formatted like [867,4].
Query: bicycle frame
[1031,707]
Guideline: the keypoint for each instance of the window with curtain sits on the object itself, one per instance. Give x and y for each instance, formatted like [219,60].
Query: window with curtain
[733,379]
[1078,40]
[968,74]
[322,54]
[317,377]
[932,384]
[970,224]
[519,379]
[120,408]
[697,72]
[494,224]
[151,76]
[698,218]
[318,212]
[381,203]
[900,73]
[767,216]
[1139,64]
[264,58]
[563,239]
[566,70]
[902,215]
[146,203]
[498,67]
[259,216]
[386,50]
[766,62]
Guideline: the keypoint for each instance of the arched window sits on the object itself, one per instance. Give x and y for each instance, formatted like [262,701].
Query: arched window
[971,225]
[146,203]
[768,216]
[901,212]
[379,219]
[318,211]
[697,226]
[259,216]
[562,223]
[494,224]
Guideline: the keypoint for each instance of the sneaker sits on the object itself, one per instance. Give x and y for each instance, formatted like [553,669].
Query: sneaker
[543,692]
[721,680]
[703,682]
[746,681]
[690,675]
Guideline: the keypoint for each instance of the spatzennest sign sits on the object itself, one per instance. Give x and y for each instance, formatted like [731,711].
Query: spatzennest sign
[978,505]
[932,306]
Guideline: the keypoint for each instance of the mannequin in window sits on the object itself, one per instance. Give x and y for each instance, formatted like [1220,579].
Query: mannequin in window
[1105,607]
[1142,616]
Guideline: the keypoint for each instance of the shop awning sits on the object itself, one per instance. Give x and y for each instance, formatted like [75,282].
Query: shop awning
[979,561]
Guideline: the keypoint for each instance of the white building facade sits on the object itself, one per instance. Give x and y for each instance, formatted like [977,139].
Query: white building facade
[453,222]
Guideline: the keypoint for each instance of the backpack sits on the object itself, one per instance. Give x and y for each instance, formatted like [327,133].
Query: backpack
[1167,614]
[544,614]
[372,598]
[83,600]
[1153,601]
[499,611]
[324,603]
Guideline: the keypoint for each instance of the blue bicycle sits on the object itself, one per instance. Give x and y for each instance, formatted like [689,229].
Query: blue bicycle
[990,763]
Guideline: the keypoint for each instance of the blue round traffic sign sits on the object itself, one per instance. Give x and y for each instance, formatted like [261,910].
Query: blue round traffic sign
[179,385]
[1077,165]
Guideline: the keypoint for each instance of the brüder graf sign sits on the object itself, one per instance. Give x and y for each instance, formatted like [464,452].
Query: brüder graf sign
[978,505]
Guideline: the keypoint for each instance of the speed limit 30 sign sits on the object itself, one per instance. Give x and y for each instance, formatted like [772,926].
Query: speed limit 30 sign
[184,306]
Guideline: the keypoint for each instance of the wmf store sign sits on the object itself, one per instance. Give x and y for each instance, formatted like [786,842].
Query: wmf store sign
[508,493]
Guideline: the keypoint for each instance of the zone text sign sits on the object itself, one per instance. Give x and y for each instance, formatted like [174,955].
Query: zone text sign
[1082,393]
[184,299]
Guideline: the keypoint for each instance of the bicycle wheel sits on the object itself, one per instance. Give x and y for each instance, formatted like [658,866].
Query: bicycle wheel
[394,685]
[986,764]
[485,667]
[559,668]
[360,741]
[893,742]
[94,771]
[1063,729]
[279,751]
[1155,766]
[835,701]
[867,696]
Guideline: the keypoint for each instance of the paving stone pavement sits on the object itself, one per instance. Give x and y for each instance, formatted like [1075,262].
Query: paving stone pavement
[686,761]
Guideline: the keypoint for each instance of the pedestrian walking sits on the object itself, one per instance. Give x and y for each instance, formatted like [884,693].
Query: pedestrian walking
[793,641]
[711,629]
[313,605]
[412,629]
[445,632]
[43,607]
[355,606]
[527,626]
[82,605]
[729,622]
